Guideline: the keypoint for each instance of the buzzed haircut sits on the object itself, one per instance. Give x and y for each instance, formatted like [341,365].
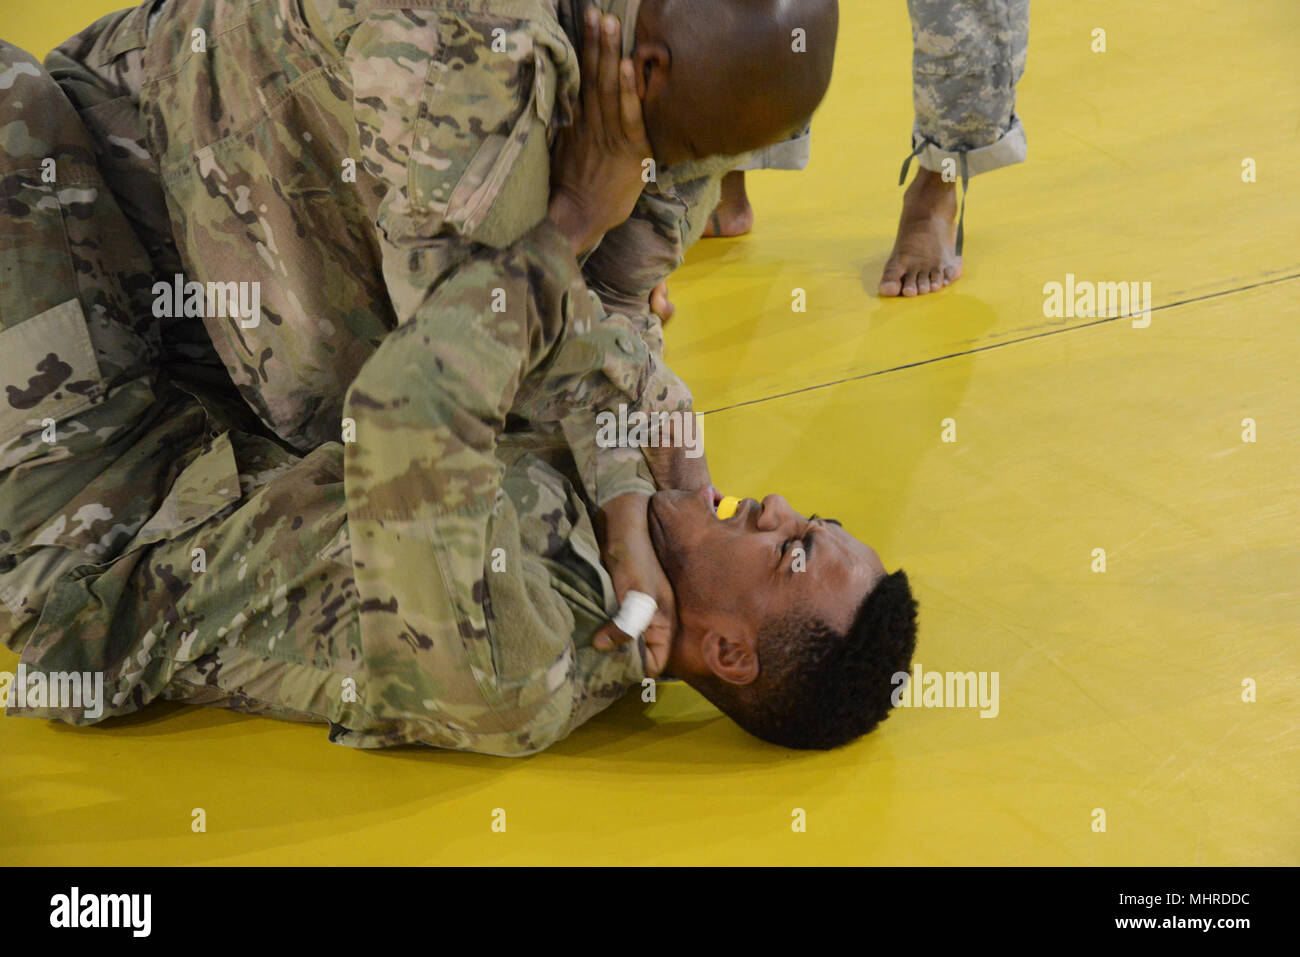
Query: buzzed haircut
[762,64]
[818,689]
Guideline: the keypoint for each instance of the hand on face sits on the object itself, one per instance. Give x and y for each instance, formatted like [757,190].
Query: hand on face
[597,163]
[628,555]
[678,461]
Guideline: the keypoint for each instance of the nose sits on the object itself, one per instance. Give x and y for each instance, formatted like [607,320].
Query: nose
[775,512]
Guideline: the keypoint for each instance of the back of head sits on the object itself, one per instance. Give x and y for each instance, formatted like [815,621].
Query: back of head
[745,73]
[817,689]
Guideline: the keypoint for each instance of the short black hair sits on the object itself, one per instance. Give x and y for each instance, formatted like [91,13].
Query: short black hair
[818,689]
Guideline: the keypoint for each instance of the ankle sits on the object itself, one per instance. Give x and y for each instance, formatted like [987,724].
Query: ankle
[929,182]
[733,190]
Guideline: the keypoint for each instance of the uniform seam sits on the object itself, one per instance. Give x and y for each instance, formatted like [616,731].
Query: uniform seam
[209,44]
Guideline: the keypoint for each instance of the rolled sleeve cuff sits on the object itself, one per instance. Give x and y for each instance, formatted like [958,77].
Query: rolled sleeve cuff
[791,154]
[1010,149]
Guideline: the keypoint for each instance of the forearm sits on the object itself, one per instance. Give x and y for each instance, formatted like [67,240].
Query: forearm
[439,557]
[574,222]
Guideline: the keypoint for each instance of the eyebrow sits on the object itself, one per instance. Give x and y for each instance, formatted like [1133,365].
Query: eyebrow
[810,537]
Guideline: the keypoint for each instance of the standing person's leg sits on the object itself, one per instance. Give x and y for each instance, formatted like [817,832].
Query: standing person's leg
[968,57]
[733,215]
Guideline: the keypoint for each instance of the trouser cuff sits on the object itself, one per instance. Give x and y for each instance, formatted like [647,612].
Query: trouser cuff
[788,154]
[1010,149]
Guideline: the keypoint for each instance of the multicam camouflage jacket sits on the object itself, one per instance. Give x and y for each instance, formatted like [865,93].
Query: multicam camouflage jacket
[345,155]
[449,593]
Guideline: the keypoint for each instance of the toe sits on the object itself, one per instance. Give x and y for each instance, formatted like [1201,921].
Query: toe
[937,281]
[923,282]
[891,280]
[909,284]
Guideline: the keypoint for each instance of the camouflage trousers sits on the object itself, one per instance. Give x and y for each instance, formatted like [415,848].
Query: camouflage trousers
[138,496]
[968,56]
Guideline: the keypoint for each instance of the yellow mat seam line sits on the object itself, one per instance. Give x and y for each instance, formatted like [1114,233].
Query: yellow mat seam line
[996,345]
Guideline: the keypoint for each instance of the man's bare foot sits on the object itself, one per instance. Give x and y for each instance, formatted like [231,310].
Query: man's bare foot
[733,215]
[924,257]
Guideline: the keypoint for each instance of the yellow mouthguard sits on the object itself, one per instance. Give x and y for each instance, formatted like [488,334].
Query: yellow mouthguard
[727,507]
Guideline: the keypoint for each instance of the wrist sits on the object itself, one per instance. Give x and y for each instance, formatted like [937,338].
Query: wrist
[572,220]
[620,516]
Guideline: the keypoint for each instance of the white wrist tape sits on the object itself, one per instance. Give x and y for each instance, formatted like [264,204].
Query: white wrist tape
[634,616]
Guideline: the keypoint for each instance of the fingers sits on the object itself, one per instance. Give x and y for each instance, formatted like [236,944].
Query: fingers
[609,636]
[639,616]
[609,98]
[608,78]
[630,108]
[589,89]
[660,304]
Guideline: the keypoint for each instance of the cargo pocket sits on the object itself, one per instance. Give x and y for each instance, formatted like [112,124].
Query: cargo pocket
[480,154]
[50,373]
[36,271]
[126,615]
[203,489]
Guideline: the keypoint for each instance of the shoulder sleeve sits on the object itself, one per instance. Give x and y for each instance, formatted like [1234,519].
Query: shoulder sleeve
[465,641]
[452,108]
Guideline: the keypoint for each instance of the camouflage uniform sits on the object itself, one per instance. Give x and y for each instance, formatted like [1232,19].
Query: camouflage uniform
[968,57]
[436,580]
[345,155]
[791,154]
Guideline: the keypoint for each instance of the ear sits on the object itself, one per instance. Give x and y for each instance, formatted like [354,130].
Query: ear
[731,653]
[652,62]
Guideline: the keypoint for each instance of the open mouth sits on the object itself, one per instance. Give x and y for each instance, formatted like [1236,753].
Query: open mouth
[710,496]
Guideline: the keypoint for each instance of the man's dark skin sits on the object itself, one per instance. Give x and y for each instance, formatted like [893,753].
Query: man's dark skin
[716,582]
[747,65]
[699,98]
[703,99]
[924,258]
[730,576]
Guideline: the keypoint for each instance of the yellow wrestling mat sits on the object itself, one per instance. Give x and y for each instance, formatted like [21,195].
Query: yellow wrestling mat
[1120,692]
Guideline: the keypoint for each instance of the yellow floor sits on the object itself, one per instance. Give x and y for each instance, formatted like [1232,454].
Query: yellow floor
[1119,691]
